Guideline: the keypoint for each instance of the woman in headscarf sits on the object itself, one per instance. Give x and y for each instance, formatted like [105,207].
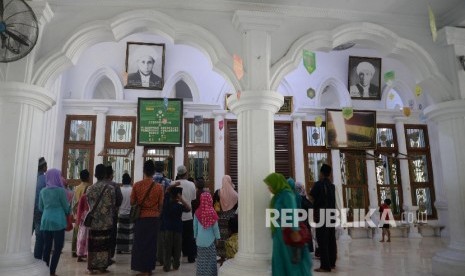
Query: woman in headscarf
[298,198]
[284,261]
[227,199]
[206,231]
[306,205]
[55,207]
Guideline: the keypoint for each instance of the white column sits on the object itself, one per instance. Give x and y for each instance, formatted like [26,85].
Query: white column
[219,148]
[99,134]
[299,147]
[21,120]
[372,191]
[450,119]
[337,181]
[255,129]
[405,177]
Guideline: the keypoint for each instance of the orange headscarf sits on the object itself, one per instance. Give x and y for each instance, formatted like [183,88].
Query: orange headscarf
[228,196]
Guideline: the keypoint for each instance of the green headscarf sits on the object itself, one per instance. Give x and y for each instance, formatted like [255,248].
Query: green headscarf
[278,183]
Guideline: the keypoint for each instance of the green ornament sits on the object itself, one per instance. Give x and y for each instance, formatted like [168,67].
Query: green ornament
[311,93]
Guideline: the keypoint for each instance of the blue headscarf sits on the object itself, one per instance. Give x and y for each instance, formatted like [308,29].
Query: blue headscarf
[53,179]
[298,198]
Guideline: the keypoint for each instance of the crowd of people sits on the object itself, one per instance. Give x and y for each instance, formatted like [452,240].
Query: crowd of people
[177,217]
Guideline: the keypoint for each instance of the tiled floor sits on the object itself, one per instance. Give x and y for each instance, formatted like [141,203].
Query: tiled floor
[358,257]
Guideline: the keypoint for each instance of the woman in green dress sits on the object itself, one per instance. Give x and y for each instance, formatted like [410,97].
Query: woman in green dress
[283,259]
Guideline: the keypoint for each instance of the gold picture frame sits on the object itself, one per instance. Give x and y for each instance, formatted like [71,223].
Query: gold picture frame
[287,106]
[226,107]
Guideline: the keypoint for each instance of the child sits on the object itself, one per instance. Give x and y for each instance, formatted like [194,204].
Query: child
[231,242]
[386,230]
[173,208]
[206,231]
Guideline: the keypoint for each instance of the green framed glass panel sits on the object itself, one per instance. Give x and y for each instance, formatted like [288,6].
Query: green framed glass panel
[78,159]
[80,131]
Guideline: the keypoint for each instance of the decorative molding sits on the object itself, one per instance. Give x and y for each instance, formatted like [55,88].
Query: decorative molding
[24,93]
[305,11]
[257,20]
[58,60]
[169,90]
[255,100]
[452,36]
[97,76]
[411,54]
[445,110]
[342,92]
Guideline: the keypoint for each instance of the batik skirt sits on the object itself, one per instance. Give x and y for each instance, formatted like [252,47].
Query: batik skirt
[99,251]
[206,261]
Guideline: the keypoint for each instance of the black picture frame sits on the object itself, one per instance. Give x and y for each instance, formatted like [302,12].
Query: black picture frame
[357,132]
[159,122]
[145,51]
[287,106]
[365,66]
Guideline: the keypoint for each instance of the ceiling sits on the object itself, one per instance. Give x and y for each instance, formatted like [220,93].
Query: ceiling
[448,12]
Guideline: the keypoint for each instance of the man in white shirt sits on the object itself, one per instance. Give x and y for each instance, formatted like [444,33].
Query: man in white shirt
[364,88]
[144,77]
[188,195]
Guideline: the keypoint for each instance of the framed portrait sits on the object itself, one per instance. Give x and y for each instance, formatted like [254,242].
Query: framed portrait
[365,78]
[145,65]
[356,132]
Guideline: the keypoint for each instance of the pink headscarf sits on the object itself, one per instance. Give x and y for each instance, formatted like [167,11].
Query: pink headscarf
[228,196]
[205,213]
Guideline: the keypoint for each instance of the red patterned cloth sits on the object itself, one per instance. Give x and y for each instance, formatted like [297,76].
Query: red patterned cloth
[205,213]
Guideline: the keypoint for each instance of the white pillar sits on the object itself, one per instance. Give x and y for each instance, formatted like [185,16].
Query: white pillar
[299,147]
[21,120]
[337,181]
[255,127]
[450,119]
[219,148]
[255,130]
[99,134]
[405,177]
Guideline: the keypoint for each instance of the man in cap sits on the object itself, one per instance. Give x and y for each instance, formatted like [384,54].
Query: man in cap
[188,195]
[364,88]
[40,184]
[144,77]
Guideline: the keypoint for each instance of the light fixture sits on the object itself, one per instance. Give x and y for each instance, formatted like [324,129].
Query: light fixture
[462,61]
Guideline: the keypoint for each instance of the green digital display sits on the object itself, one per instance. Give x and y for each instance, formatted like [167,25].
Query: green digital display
[159,121]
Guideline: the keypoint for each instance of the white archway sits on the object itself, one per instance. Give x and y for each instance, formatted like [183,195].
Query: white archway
[169,90]
[149,21]
[342,92]
[402,89]
[422,66]
[97,76]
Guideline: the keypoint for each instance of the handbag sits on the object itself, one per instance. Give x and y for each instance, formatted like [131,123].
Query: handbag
[297,247]
[134,214]
[90,215]
[305,235]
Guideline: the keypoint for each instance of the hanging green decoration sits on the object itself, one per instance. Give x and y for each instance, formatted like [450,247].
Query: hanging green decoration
[311,93]
[347,112]
[389,77]
[309,61]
